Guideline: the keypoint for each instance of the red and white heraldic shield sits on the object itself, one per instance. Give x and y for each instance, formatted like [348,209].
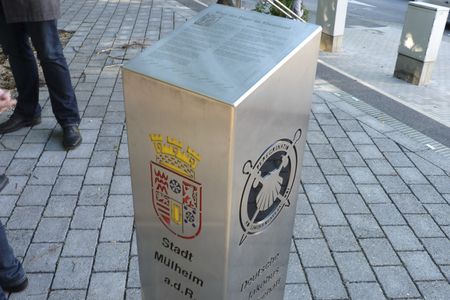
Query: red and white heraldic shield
[177,201]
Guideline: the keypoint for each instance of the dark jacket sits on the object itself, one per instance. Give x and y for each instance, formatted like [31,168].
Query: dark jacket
[30,10]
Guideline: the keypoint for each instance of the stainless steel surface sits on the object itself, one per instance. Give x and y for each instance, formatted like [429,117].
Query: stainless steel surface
[220,53]
[215,183]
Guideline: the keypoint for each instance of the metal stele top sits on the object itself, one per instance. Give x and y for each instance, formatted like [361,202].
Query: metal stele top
[223,52]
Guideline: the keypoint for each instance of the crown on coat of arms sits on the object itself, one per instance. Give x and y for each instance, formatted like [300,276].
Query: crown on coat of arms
[172,155]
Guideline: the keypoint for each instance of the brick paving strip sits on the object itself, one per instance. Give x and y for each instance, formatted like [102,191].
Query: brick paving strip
[373,214]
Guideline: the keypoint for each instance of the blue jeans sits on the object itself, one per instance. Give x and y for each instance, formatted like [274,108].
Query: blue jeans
[45,39]
[11,271]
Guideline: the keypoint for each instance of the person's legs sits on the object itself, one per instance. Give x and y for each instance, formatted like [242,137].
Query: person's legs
[45,38]
[16,46]
[12,275]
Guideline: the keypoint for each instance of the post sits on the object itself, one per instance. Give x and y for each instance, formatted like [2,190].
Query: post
[331,15]
[420,42]
[217,122]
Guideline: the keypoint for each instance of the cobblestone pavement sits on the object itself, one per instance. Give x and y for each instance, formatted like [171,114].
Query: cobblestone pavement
[373,215]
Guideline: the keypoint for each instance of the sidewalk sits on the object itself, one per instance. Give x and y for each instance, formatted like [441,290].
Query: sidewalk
[373,215]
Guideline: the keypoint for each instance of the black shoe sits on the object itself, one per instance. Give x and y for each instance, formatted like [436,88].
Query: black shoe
[16,288]
[72,137]
[16,122]
[3,181]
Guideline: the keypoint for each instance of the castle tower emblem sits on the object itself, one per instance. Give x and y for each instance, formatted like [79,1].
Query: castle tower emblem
[177,197]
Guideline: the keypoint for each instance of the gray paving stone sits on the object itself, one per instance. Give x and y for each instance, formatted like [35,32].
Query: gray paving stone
[60,206]
[89,135]
[387,214]
[67,185]
[351,125]
[314,253]
[103,159]
[373,193]
[360,138]
[295,272]
[107,286]
[308,159]
[51,230]
[22,166]
[74,166]
[440,213]
[386,145]
[316,137]
[312,175]
[411,176]
[13,141]
[35,195]
[8,204]
[303,206]
[320,108]
[408,204]
[67,295]
[369,151]
[107,143]
[98,175]
[94,195]
[332,131]
[38,287]
[322,151]
[121,185]
[122,167]
[437,290]
[442,183]
[396,282]
[352,204]
[398,159]
[42,257]
[420,266]
[351,159]
[329,214]
[6,157]
[331,167]
[393,184]
[90,123]
[379,252]
[319,193]
[51,159]
[30,151]
[402,238]
[116,229]
[73,273]
[424,226]
[82,151]
[446,271]
[365,291]
[76,238]
[373,127]
[438,249]
[112,257]
[306,226]
[380,167]
[331,288]
[427,194]
[26,217]
[44,176]
[87,217]
[362,175]
[15,186]
[341,144]
[326,119]
[19,241]
[297,291]
[424,166]
[120,206]
[365,226]
[340,238]
[341,184]
[353,267]
[133,273]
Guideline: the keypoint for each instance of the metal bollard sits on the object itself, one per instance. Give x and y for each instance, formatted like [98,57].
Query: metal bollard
[420,41]
[331,15]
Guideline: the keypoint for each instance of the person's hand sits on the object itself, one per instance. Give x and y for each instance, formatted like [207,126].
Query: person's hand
[5,101]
